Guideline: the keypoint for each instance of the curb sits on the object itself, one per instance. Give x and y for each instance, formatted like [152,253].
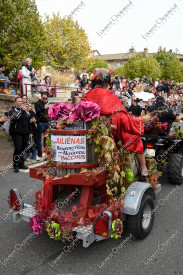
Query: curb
[30,164]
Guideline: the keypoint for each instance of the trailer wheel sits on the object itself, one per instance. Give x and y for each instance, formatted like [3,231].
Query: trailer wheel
[141,224]
[175,169]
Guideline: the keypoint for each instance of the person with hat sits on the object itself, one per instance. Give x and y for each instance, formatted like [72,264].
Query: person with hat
[129,129]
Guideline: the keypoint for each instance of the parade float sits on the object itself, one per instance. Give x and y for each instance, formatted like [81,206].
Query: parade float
[86,164]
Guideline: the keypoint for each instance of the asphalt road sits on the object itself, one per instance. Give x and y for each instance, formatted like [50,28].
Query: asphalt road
[160,253]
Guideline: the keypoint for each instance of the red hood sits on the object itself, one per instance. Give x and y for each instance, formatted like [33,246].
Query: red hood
[106,99]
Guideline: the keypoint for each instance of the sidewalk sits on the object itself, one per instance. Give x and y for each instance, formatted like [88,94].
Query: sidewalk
[6,155]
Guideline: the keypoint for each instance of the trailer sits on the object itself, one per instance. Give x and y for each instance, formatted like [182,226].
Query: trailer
[137,210]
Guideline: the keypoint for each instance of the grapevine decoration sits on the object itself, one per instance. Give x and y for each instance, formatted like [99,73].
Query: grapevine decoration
[36,224]
[130,175]
[75,217]
[54,231]
[117,229]
[153,178]
[179,132]
[155,124]
[112,158]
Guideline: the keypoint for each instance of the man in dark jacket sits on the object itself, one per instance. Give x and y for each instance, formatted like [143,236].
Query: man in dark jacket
[20,131]
[84,81]
[78,76]
[135,109]
[41,107]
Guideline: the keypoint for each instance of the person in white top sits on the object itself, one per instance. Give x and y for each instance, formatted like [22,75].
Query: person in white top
[156,83]
[84,73]
[28,73]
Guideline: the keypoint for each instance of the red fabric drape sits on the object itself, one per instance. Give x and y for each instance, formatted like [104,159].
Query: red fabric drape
[106,99]
[47,193]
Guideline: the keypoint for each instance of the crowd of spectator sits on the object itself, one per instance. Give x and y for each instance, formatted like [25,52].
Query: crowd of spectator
[131,92]
[28,123]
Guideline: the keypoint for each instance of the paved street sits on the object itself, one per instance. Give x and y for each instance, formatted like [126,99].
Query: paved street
[160,253]
[6,155]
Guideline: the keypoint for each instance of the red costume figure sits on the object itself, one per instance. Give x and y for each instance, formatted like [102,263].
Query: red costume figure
[129,128]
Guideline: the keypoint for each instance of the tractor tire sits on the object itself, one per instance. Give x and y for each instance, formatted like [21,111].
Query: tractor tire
[175,169]
[141,224]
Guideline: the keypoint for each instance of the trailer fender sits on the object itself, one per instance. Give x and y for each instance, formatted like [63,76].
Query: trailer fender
[133,196]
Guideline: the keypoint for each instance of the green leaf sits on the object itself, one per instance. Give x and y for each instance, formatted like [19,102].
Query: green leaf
[122,173]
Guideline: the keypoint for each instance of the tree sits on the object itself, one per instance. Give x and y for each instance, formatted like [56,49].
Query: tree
[138,66]
[120,71]
[66,43]
[170,65]
[21,34]
[150,67]
[132,67]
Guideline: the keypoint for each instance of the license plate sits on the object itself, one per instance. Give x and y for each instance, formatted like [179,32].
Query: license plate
[150,152]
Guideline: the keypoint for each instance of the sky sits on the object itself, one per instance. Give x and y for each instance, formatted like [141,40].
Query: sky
[117,25]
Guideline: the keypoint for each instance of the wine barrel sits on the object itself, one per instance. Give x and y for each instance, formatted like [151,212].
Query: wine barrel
[71,150]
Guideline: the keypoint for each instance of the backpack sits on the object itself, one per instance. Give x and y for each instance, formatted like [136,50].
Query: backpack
[6,128]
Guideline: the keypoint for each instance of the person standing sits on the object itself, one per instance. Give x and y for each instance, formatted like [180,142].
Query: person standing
[78,76]
[85,73]
[41,107]
[27,77]
[20,131]
[84,80]
[116,81]
[135,109]
[24,99]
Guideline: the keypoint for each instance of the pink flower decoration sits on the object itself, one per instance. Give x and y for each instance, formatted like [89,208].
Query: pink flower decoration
[36,224]
[84,111]
[59,111]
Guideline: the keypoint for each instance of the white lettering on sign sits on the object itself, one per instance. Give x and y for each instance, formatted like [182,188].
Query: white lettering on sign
[68,148]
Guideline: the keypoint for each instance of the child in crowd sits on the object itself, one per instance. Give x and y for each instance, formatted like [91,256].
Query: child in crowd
[34,83]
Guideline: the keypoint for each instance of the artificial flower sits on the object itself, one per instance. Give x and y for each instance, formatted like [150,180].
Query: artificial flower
[36,224]
[117,229]
[59,110]
[84,111]
[54,230]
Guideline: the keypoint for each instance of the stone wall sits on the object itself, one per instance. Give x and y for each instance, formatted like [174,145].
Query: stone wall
[6,102]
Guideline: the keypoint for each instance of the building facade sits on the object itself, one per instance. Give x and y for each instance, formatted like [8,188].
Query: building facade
[116,60]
